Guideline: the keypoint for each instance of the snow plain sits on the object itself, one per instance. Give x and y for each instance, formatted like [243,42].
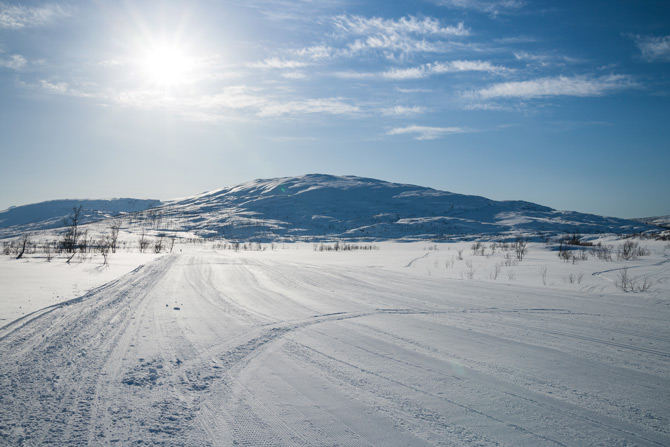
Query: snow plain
[407,345]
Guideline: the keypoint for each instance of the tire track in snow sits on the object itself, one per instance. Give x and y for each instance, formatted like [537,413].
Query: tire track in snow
[121,367]
[474,381]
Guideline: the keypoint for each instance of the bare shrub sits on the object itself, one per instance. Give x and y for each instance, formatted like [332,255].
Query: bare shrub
[583,255]
[630,251]
[645,286]
[511,274]
[47,251]
[629,283]
[576,239]
[509,261]
[564,253]
[520,248]
[496,270]
[603,252]
[476,247]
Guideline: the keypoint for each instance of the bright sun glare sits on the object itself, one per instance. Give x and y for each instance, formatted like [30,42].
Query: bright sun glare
[166,65]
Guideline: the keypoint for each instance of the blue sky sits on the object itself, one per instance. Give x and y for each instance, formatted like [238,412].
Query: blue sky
[565,104]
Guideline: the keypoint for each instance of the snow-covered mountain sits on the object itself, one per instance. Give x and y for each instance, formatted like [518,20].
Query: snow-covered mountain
[51,214]
[660,221]
[323,207]
[316,206]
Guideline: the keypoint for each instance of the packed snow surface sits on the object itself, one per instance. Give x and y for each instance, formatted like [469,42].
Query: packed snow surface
[398,346]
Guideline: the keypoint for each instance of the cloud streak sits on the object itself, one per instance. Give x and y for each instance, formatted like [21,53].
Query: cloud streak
[439,68]
[234,103]
[405,36]
[580,86]
[404,26]
[427,70]
[403,111]
[275,62]
[492,7]
[13,62]
[654,48]
[19,16]
[427,132]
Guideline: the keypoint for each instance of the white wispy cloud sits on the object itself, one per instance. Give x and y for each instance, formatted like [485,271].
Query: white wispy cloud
[413,90]
[654,48]
[427,132]
[405,35]
[13,62]
[493,7]
[427,70]
[438,68]
[315,52]
[21,16]
[545,59]
[294,75]
[231,103]
[330,106]
[403,111]
[555,86]
[405,25]
[275,62]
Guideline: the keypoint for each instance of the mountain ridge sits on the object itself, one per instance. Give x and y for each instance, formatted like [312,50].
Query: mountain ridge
[316,207]
[50,214]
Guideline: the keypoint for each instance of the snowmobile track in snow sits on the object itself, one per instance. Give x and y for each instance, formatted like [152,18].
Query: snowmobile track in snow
[270,352]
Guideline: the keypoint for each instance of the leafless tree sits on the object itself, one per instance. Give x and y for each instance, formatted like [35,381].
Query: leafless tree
[24,241]
[520,247]
[47,251]
[105,246]
[158,245]
[144,242]
[114,227]
[71,235]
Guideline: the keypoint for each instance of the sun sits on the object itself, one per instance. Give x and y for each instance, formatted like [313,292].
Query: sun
[166,65]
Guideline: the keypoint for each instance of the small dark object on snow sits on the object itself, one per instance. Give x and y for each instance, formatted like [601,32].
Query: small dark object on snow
[176,308]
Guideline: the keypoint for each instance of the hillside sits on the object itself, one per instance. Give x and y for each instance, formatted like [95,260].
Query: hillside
[323,207]
[315,206]
[660,221]
[46,215]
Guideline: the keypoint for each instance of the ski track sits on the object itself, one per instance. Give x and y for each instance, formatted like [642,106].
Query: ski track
[214,349]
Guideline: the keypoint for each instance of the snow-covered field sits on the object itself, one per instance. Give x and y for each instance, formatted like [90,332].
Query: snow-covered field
[404,345]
